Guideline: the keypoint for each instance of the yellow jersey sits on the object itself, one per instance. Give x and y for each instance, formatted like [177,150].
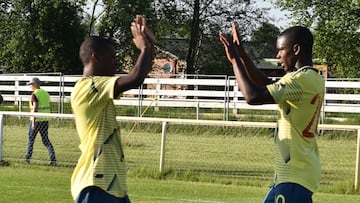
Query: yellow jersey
[102,161]
[299,95]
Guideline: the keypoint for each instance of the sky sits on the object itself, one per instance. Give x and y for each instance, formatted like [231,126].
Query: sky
[279,17]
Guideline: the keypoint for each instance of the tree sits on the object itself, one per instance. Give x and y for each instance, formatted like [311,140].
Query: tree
[197,22]
[263,41]
[41,36]
[336,27]
[115,23]
[93,17]
[172,22]
[194,39]
[203,19]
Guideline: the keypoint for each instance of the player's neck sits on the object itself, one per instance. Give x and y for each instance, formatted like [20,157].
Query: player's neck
[299,64]
[88,71]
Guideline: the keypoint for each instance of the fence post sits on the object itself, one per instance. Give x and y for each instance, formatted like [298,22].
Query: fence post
[162,150]
[1,134]
[157,95]
[357,167]
[141,97]
[20,104]
[235,99]
[197,110]
[16,93]
[226,99]
[61,93]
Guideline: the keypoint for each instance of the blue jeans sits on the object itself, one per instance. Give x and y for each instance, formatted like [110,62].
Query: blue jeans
[95,194]
[288,193]
[42,127]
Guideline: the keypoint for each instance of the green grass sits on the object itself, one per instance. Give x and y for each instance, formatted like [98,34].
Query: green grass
[202,164]
[31,183]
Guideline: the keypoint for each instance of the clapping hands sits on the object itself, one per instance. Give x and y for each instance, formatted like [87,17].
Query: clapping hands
[142,35]
[233,48]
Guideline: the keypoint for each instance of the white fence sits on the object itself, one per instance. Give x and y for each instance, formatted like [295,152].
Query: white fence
[209,92]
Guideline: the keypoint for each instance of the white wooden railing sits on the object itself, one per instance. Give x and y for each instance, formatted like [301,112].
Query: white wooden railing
[209,92]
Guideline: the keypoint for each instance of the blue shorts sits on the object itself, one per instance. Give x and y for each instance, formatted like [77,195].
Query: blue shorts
[289,193]
[95,194]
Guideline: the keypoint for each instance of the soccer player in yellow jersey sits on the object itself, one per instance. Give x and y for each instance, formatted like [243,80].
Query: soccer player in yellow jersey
[100,174]
[299,95]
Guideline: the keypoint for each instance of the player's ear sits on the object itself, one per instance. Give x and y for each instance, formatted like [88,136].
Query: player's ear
[94,57]
[296,49]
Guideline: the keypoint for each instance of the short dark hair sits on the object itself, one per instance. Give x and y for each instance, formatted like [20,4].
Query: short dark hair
[300,35]
[93,44]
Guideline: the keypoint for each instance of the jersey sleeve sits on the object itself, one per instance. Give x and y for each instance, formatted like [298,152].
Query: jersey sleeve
[286,89]
[105,87]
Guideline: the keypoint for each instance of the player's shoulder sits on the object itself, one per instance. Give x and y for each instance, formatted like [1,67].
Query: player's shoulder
[304,71]
[83,80]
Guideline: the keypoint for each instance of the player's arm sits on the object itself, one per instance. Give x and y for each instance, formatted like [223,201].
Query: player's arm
[257,76]
[144,40]
[35,107]
[253,93]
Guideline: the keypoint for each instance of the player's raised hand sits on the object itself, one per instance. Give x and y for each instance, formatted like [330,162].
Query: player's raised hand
[149,34]
[144,29]
[236,38]
[235,34]
[138,28]
[230,47]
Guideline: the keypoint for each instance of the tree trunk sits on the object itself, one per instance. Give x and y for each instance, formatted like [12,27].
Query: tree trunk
[194,39]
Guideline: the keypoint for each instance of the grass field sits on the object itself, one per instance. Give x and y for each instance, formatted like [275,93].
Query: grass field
[40,184]
[203,164]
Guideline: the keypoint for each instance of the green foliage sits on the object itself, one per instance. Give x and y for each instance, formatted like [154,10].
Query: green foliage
[266,33]
[214,16]
[41,36]
[116,21]
[44,36]
[176,19]
[336,30]
[261,44]
[264,41]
